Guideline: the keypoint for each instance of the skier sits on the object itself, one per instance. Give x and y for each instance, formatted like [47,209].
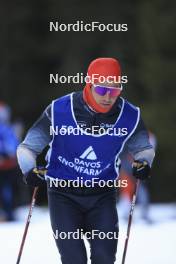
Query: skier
[8,164]
[89,131]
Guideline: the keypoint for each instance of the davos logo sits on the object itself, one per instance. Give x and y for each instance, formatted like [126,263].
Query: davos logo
[89,154]
[86,163]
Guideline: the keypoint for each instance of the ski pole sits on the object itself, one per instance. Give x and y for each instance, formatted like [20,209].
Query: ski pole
[130,220]
[27,223]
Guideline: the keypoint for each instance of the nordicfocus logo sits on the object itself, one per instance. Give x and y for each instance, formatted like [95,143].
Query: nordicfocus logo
[89,154]
[86,163]
[94,130]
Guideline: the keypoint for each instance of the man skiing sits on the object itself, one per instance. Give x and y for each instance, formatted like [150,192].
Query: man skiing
[105,124]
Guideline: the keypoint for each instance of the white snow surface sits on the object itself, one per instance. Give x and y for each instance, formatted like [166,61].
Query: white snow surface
[149,243]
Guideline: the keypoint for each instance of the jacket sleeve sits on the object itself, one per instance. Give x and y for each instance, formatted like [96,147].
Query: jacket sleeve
[139,145]
[37,138]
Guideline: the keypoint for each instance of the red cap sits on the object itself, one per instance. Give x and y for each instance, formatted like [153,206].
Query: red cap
[104,67]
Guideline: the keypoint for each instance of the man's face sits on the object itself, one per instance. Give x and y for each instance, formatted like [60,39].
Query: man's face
[106,100]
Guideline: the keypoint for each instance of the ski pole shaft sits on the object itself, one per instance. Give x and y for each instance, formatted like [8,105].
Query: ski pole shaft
[130,220]
[27,223]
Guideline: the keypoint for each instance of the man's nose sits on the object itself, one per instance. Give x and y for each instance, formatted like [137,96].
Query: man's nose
[107,95]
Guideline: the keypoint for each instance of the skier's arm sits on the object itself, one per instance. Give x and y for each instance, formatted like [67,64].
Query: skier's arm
[142,151]
[139,146]
[37,138]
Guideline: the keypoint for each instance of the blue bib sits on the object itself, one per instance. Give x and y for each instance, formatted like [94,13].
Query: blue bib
[87,155]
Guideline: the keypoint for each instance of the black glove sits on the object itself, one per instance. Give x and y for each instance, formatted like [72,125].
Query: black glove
[35,177]
[141,170]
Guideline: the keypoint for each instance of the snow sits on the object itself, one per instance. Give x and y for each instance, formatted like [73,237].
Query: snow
[148,244]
